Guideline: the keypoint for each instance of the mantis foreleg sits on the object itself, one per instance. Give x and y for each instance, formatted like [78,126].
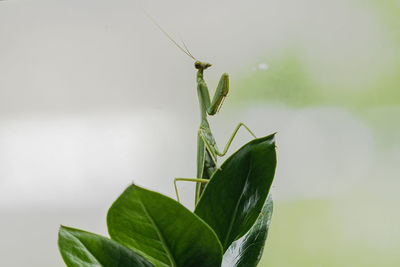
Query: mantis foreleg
[220,94]
[211,107]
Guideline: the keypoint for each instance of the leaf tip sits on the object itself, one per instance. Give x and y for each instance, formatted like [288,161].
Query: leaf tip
[62,229]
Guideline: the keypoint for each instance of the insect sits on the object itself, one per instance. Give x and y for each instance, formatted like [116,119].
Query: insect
[207,150]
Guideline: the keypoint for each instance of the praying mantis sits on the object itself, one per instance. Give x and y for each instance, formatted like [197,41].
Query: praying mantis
[207,150]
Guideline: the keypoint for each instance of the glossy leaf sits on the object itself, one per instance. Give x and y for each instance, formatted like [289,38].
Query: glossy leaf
[82,249]
[162,230]
[236,193]
[247,251]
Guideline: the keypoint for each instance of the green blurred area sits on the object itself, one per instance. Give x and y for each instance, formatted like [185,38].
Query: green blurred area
[290,80]
[362,227]
[354,78]
[333,233]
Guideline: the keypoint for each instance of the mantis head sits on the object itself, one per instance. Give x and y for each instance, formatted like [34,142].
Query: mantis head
[201,65]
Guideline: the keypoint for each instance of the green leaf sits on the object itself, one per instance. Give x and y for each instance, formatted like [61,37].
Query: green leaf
[236,193]
[82,249]
[162,230]
[247,251]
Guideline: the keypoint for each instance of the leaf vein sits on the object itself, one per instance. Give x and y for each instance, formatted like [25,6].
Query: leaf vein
[160,235]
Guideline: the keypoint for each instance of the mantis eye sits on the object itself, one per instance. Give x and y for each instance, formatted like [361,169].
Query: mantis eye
[197,64]
[201,65]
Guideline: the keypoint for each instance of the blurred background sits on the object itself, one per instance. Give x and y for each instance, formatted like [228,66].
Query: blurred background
[94,97]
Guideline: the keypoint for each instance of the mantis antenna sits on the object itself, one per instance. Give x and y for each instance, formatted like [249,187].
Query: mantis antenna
[187,49]
[171,39]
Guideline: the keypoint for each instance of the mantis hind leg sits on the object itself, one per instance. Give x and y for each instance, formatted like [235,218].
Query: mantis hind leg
[213,148]
[228,144]
[197,180]
[213,152]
